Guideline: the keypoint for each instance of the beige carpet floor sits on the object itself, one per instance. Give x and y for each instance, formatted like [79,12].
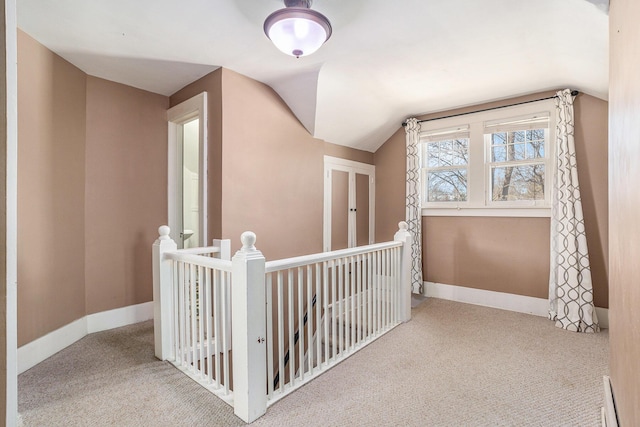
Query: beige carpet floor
[453,365]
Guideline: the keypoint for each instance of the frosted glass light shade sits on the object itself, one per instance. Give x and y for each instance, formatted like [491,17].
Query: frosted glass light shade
[297,31]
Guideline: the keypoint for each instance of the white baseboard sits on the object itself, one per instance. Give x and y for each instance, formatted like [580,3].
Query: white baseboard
[38,350]
[46,346]
[501,300]
[119,317]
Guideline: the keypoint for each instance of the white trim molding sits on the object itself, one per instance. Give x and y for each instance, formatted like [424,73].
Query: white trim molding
[352,168]
[30,354]
[177,116]
[500,300]
[119,317]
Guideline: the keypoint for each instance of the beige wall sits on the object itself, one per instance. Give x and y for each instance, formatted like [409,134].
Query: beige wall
[390,161]
[212,84]
[624,208]
[272,172]
[267,175]
[92,190]
[456,248]
[343,152]
[591,135]
[51,191]
[126,197]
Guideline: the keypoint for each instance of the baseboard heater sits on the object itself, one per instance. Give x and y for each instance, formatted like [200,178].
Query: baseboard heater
[609,417]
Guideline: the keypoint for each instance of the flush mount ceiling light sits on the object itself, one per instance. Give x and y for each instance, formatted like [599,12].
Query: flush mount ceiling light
[297,30]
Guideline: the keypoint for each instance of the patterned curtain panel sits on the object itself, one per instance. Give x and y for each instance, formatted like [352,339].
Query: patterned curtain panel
[570,287]
[414,205]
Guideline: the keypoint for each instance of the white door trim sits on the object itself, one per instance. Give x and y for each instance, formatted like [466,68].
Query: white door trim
[176,116]
[9,171]
[351,167]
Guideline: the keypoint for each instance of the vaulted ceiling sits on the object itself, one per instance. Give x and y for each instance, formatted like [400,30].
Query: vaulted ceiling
[386,60]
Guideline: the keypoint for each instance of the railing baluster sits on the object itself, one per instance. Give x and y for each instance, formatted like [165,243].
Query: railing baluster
[325,298]
[360,298]
[270,338]
[176,313]
[309,319]
[333,308]
[291,311]
[226,329]
[225,285]
[398,284]
[352,297]
[280,333]
[341,272]
[183,319]
[385,309]
[369,296]
[392,288]
[376,291]
[217,324]
[200,312]
[319,303]
[301,325]
[209,313]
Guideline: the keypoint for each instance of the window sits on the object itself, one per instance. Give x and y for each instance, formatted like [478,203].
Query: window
[445,159]
[489,163]
[516,153]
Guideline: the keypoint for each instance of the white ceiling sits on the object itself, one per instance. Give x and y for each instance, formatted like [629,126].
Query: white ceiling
[387,59]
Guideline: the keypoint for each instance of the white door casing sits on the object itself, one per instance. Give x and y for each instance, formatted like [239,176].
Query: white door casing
[352,168]
[177,116]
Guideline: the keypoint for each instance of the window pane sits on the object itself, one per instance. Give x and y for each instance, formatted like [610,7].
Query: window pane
[535,150]
[499,154]
[518,152]
[518,136]
[447,185]
[432,154]
[535,135]
[524,182]
[460,150]
[498,138]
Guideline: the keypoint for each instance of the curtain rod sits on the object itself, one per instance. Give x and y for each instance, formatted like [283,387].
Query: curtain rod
[573,93]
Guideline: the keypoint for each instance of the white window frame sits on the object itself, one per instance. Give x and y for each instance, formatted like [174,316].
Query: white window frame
[478,201]
[448,133]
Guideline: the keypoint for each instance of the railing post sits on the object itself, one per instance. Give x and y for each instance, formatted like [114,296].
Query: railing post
[162,295]
[225,249]
[404,300]
[249,331]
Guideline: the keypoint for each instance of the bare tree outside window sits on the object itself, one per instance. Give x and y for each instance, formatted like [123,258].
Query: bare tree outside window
[446,162]
[517,170]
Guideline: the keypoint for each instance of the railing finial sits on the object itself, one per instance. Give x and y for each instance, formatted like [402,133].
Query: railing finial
[164,231]
[248,239]
[402,225]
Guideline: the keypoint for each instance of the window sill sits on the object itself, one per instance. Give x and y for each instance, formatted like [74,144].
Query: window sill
[531,212]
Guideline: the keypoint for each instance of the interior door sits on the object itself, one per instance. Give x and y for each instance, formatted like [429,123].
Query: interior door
[362,226]
[187,192]
[339,209]
[349,204]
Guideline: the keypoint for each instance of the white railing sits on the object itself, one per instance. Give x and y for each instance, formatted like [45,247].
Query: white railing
[324,308]
[197,336]
[297,317]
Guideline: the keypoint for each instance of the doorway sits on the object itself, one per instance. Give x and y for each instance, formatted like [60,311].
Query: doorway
[349,204]
[187,192]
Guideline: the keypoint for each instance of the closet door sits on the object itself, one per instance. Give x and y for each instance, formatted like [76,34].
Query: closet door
[362,183]
[348,204]
[339,209]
